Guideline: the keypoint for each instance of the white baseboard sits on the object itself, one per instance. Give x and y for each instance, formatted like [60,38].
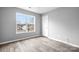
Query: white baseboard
[18,39]
[64,42]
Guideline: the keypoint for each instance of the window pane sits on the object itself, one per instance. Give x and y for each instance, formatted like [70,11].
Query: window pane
[24,23]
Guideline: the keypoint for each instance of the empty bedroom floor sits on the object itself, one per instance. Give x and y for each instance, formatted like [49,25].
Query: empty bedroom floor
[39,44]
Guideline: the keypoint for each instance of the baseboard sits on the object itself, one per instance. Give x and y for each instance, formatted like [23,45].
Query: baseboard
[65,42]
[19,39]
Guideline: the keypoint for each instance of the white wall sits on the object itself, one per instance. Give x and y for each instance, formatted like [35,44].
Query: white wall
[8,24]
[63,24]
[45,25]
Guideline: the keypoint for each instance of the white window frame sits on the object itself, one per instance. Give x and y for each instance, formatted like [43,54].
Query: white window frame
[34,24]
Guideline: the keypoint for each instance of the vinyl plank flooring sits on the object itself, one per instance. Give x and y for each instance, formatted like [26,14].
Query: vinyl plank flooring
[39,44]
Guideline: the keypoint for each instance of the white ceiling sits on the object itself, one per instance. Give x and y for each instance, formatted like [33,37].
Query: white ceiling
[39,10]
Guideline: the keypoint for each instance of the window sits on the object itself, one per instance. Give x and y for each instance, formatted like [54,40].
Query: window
[25,23]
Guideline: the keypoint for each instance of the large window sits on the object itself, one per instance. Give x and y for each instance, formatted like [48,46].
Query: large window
[25,23]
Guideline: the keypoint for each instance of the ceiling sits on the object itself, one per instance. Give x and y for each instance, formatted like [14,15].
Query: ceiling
[39,10]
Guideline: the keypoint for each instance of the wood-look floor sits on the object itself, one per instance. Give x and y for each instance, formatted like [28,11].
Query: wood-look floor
[40,44]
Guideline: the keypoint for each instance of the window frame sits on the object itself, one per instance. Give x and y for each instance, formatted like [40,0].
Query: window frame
[34,23]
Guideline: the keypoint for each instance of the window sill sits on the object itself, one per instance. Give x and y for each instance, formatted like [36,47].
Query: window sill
[24,32]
